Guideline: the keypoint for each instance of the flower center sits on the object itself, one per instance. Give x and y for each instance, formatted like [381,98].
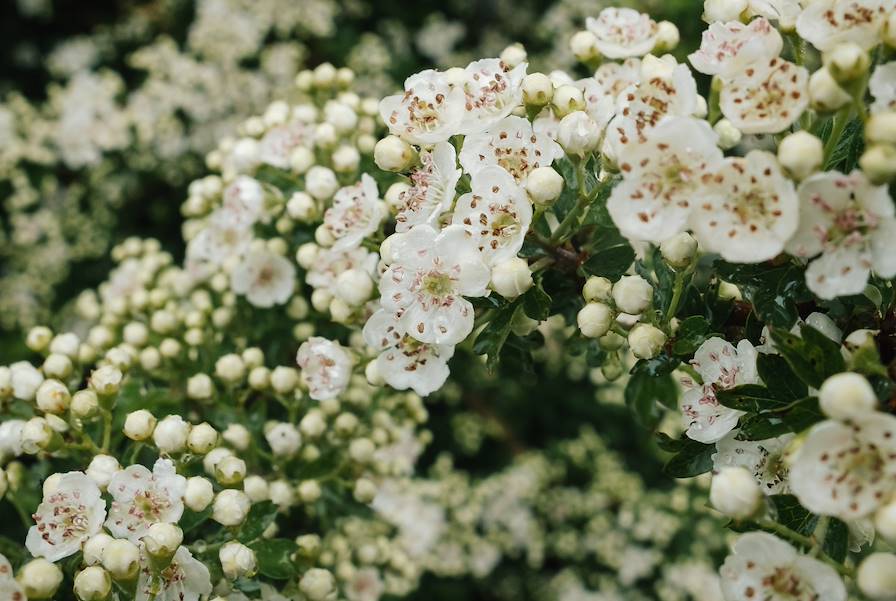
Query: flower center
[437,284]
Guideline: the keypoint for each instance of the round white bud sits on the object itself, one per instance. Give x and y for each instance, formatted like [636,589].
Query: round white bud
[667,37]
[846,61]
[511,278]
[394,154]
[202,438]
[584,46]
[122,558]
[729,136]
[513,55]
[40,579]
[885,521]
[37,435]
[301,207]
[52,396]
[306,255]
[92,551]
[230,470]
[198,493]
[38,338]
[317,584]
[632,294]
[231,507]
[237,560]
[679,250]
[162,540]
[735,493]
[578,134]
[200,387]
[538,90]
[595,319]
[846,395]
[230,368]
[544,185]
[880,128]
[238,436]
[57,366]
[170,434]
[106,380]
[723,10]
[825,93]
[102,468]
[139,425]
[284,439]
[801,154]
[321,182]
[282,493]
[646,341]
[597,288]
[309,491]
[877,576]
[365,491]
[256,488]
[354,287]
[879,163]
[313,424]
[66,344]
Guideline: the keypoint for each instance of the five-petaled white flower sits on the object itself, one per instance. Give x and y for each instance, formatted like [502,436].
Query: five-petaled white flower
[10,590]
[432,188]
[491,92]
[496,214]
[185,579]
[763,567]
[847,469]
[763,458]
[511,144]
[357,212]
[827,23]
[141,498]
[220,241]
[727,49]
[326,367]
[68,515]
[660,178]
[767,97]
[745,209]
[243,201]
[428,281]
[277,145]
[365,585]
[851,222]
[721,366]
[429,111]
[265,278]
[403,361]
[623,32]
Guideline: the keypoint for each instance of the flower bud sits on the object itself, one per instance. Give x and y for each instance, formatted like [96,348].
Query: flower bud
[309,491]
[85,404]
[511,278]
[667,37]
[584,46]
[122,558]
[825,93]
[354,287]
[230,470]
[544,186]
[537,89]
[102,468]
[106,380]
[317,584]
[513,55]
[880,128]
[735,493]
[52,396]
[37,435]
[885,521]
[93,548]
[632,294]
[231,507]
[729,136]
[162,540]
[93,584]
[198,494]
[568,99]
[578,134]
[301,207]
[40,579]
[877,576]
[679,250]
[139,425]
[394,154]
[202,438]
[38,338]
[879,163]
[57,366]
[846,395]
[170,434]
[595,319]
[646,341]
[237,560]
[801,154]
[313,424]
[284,439]
[230,368]
[321,182]
[365,491]
[723,10]
[846,61]
[597,288]
[284,379]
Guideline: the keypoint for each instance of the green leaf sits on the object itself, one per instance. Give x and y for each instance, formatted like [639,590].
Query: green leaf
[779,378]
[836,540]
[790,513]
[813,357]
[493,336]
[261,515]
[849,148]
[692,332]
[537,302]
[752,398]
[191,520]
[274,557]
[693,458]
[762,427]
[610,262]
[643,392]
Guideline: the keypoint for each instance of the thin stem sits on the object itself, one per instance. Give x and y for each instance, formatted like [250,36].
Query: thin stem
[677,289]
[107,429]
[841,118]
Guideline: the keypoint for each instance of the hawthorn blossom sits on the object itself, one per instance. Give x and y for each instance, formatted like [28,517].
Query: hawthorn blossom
[762,566]
[243,201]
[491,92]
[512,145]
[356,213]
[141,498]
[763,458]
[851,223]
[184,579]
[10,590]
[426,284]
[746,209]
[846,469]
[660,178]
[429,111]
[219,242]
[599,104]
[827,23]
[276,146]
[128,277]
[496,214]
[721,367]
[403,361]
[330,262]
[623,32]
[767,97]
[265,278]
[882,86]
[785,12]
[68,515]
[326,367]
[614,78]
[727,49]
[432,188]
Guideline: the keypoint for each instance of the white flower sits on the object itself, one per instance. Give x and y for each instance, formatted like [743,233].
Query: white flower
[141,498]
[883,88]
[495,214]
[763,458]
[68,515]
[326,367]
[243,201]
[432,189]
[729,48]
[185,579]
[766,98]
[746,209]
[492,91]
[265,278]
[355,214]
[429,111]
[846,469]
[623,32]
[221,240]
[660,177]
[763,566]
[9,588]
[827,23]
[364,585]
[426,284]
[721,366]
[511,144]
[852,224]
[276,146]
[403,361]
[612,79]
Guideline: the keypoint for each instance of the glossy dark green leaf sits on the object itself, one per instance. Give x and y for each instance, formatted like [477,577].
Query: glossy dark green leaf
[813,356]
[261,515]
[836,540]
[692,459]
[789,512]
[692,332]
[274,557]
[610,262]
[493,336]
[191,520]
[753,398]
[779,377]
[536,302]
